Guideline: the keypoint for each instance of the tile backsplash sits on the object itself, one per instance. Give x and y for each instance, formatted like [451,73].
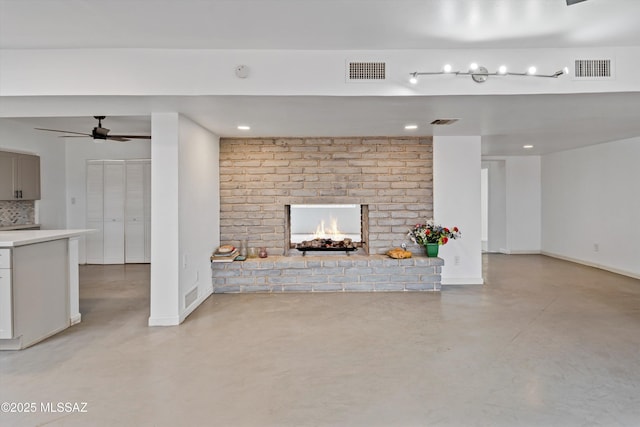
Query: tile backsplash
[16,212]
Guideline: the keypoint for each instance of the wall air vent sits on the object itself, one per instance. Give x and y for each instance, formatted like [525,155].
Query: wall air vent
[592,68]
[366,71]
[191,297]
[441,122]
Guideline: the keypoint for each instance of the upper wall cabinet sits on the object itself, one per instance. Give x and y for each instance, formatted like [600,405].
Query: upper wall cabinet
[19,176]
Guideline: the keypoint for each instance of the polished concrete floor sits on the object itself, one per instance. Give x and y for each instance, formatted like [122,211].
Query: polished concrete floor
[543,343]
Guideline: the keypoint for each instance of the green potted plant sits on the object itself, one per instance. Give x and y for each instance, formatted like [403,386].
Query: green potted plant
[432,235]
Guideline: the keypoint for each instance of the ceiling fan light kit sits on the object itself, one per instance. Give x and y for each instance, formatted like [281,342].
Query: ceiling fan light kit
[98,134]
[480,74]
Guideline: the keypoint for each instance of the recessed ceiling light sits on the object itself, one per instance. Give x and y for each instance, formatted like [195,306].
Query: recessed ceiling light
[527,147]
[244,127]
[502,69]
[411,127]
[532,70]
[447,68]
[473,66]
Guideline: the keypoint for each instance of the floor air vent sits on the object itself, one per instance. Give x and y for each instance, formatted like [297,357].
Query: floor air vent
[191,297]
[593,68]
[363,71]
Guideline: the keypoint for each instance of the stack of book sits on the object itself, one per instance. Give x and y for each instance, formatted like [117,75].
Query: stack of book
[226,253]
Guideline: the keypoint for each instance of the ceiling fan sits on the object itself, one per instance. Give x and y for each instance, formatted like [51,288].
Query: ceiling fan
[98,132]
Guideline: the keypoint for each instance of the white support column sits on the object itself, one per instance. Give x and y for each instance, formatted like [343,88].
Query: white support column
[164,305]
[456,202]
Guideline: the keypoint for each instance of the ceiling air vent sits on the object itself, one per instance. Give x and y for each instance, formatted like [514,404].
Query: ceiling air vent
[593,68]
[363,71]
[443,121]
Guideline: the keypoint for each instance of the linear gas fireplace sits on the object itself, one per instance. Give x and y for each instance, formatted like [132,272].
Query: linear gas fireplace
[327,228]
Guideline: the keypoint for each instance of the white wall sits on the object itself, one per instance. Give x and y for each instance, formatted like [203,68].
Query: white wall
[523,204]
[78,151]
[47,72]
[514,204]
[456,202]
[497,209]
[16,136]
[484,200]
[591,196]
[199,210]
[185,211]
[165,248]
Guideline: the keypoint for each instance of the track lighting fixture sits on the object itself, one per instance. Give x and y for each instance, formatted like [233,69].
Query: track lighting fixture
[480,74]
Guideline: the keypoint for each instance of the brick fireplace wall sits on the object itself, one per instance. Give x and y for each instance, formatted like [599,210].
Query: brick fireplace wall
[258,177]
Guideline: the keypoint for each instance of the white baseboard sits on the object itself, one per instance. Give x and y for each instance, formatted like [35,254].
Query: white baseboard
[520,251]
[164,321]
[196,304]
[463,281]
[75,319]
[592,264]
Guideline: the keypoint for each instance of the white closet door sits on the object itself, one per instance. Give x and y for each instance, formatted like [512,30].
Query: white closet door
[95,243]
[147,190]
[134,213]
[147,211]
[119,207]
[135,191]
[95,193]
[113,191]
[147,241]
[114,201]
[134,242]
[113,242]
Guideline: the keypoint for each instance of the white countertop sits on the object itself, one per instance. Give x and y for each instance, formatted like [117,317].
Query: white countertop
[9,239]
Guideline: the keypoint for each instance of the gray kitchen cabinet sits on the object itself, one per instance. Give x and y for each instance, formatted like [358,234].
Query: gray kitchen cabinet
[6,176]
[39,294]
[19,176]
[6,298]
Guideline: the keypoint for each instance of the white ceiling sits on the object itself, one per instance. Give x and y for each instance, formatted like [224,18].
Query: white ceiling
[317,24]
[550,122]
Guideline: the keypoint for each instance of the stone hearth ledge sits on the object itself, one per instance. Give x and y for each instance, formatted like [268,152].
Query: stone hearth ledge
[365,273]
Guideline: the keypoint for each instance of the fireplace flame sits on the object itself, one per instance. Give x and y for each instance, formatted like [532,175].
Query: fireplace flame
[331,232]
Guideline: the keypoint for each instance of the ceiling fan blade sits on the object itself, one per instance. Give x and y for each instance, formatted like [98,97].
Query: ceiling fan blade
[130,136]
[118,138]
[64,131]
[75,136]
